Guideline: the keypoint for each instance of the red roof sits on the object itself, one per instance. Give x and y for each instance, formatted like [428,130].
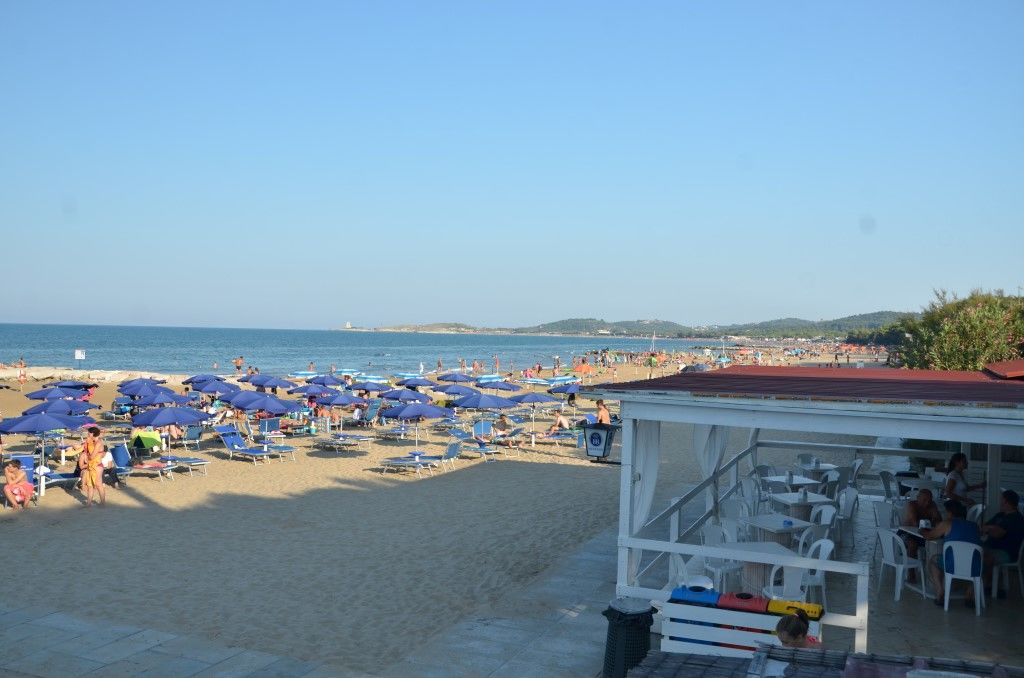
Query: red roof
[1007,369]
[869,384]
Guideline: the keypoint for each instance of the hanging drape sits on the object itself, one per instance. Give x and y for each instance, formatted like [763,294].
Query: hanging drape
[646,458]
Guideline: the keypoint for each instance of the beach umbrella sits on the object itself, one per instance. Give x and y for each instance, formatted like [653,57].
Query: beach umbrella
[218,388]
[267,381]
[533,399]
[54,393]
[202,379]
[42,422]
[457,390]
[141,390]
[166,416]
[498,385]
[416,381]
[369,386]
[315,390]
[483,401]
[140,380]
[239,398]
[325,380]
[416,411]
[72,383]
[404,395]
[268,403]
[341,399]
[161,399]
[565,388]
[65,407]
[454,377]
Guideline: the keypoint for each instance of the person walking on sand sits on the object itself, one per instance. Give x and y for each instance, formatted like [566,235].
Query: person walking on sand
[90,463]
[238,364]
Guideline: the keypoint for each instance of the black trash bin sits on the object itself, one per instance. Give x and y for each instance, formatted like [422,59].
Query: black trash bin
[629,635]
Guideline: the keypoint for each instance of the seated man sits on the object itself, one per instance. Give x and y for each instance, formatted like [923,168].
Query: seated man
[922,508]
[561,423]
[954,528]
[1005,531]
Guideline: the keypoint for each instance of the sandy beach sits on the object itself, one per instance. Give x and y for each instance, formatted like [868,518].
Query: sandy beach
[322,559]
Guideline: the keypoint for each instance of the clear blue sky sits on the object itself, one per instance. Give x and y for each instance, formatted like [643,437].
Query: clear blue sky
[303,164]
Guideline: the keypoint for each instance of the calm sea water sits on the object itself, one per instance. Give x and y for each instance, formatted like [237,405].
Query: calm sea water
[188,350]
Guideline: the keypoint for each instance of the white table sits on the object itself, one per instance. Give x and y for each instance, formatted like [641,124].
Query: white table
[799,506]
[918,483]
[772,527]
[816,471]
[755,575]
[796,483]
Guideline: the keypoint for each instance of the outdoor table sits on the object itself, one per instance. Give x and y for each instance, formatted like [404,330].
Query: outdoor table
[796,483]
[920,484]
[770,527]
[755,575]
[816,471]
[799,506]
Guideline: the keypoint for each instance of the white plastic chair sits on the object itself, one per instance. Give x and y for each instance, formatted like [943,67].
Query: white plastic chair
[829,484]
[886,518]
[822,550]
[1005,570]
[720,568]
[855,471]
[848,500]
[809,536]
[752,495]
[976,513]
[894,555]
[792,587]
[824,514]
[889,485]
[967,559]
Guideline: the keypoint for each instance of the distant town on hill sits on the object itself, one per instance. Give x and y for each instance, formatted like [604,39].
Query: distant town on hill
[782,327]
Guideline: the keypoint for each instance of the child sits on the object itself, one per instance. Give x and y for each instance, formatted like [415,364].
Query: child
[18,489]
[792,630]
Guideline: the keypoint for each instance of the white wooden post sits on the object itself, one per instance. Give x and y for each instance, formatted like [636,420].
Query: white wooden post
[625,501]
[860,634]
[994,478]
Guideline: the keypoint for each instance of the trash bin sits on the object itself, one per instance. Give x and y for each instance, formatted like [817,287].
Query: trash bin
[629,635]
[598,439]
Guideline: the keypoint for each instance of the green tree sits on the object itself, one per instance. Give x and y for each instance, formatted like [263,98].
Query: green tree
[964,334]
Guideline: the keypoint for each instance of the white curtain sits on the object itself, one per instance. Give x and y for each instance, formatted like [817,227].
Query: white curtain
[646,457]
[709,445]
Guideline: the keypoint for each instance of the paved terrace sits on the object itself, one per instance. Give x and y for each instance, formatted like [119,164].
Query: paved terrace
[553,627]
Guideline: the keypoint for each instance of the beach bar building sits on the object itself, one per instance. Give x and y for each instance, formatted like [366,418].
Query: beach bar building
[983,411]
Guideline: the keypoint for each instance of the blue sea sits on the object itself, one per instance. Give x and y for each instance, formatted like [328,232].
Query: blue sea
[180,350]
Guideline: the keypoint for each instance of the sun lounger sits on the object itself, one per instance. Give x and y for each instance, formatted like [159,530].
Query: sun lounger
[474,445]
[234,444]
[187,462]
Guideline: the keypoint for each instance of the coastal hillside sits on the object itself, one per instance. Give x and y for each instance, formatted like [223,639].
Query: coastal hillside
[781,327]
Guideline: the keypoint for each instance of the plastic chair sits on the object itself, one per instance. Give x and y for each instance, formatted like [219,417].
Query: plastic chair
[894,555]
[720,568]
[889,485]
[855,471]
[809,536]
[1005,570]
[848,500]
[822,550]
[886,518]
[829,484]
[792,587]
[976,514]
[763,470]
[824,514]
[966,564]
[752,495]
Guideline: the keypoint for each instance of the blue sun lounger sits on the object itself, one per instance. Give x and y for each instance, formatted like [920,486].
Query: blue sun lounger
[234,444]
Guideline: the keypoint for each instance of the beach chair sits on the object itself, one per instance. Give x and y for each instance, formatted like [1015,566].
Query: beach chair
[193,436]
[395,432]
[348,440]
[189,463]
[474,445]
[510,440]
[369,418]
[234,444]
[125,466]
[402,463]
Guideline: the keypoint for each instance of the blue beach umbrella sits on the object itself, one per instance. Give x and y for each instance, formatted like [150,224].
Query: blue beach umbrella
[565,388]
[416,381]
[404,395]
[161,399]
[369,386]
[64,407]
[416,411]
[325,380]
[457,390]
[140,380]
[533,399]
[315,390]
[498,385]
[72,383]
[484,401]
[267,381]
[455,377]
[340,400]
[218,388]
[202,379]
[42,422]
[269,403]
[166,416]
[239,398]
[141,390]
[54,393]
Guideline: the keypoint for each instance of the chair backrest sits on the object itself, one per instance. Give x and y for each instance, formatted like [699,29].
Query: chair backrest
[193,432]
[232,439]
[823,514]
[847,502]
[224,428]
[888,484]
[28,465]
[893,550]
[763,470]
[855,470]
[885,515]
[734,508]
[713,535]
[810,536]
[122,458]
[482,428]
[821,549]
[792,582]
[976,513]
[270,425]
[733,531]
[453,450]
[461,435]
[962,560]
